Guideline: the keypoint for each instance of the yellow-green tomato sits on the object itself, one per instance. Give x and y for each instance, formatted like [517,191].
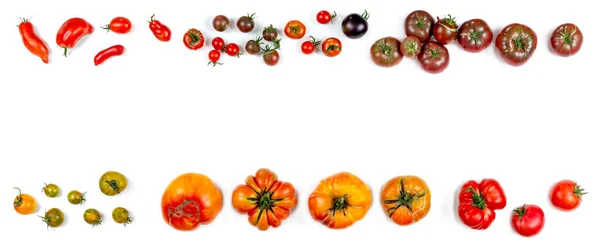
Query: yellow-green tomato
[112,183]
[121,215]
[51,190]
[76,197]
[53,218]
[92,216]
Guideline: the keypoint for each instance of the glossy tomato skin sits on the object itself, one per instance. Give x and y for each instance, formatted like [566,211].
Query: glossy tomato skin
[253,46]
[445,30]
[269,33]
[478,202]
[218,43]
[33,42]
[310,46]
[265,199]
[331,47]
[340,200]
[54,218]
[24,204]
[528,220]
[419,24]
[566,40]
[295,29]
[191,200]
[406,199]
[354,26]
[566,195]
[271,57]
[516,43]
[233,49]
[214,56]
[193,39]
[410,47]
[475,35]
[161,32]
[434,57]
[220,23]
[246,23]
[115,50]
[71,31]
[324,17]
[119,25]
[385,52]
[112,183]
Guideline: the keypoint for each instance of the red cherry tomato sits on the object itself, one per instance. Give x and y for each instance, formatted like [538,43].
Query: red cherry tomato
[218,43]
[214,56]
[324,17]
[309,46]
[160,31]
[233,49]
[120,25]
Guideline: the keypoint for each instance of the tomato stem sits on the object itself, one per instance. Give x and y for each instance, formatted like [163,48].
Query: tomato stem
[17,203]
[478,200]
[127,221]
[366,15]
[403,199]
[178,211]
[578,191]
[332,17]
[114,185]
[315,43]
[270,29]
[214,63]
[152,18]
[65,51]
[521,211]
[567,38]
[518,42]
[106,27]
[339,204]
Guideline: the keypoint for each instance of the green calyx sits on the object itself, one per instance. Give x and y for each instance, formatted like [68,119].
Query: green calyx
[579,191]
[478,200]
[114,185]
[339,204]
[264,201]
[521,211]
[567,37]
[403,199]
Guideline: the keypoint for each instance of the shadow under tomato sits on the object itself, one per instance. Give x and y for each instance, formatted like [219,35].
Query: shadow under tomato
[456,203]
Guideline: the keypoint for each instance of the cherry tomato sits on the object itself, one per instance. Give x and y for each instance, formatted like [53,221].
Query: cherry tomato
[324,17]
[193,39]
[233,49]
[214,56]
[24,204]
[218,43]
[566,195]
[160,31]
[295,29]
[528,220]
[120,25]
[309,46]
[331,47]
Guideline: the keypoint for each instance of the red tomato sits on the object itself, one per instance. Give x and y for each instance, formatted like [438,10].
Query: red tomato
[295,29]
[160,31]
[324,17]
[218,43]
[331,47]
[566,195]
[214,56]
[71,32]
[566,40]
[32,41]
[309,46]
[233,50]
[193,39]
[434,57]
[105,54]
[120,25]
[528,220]
[477,202]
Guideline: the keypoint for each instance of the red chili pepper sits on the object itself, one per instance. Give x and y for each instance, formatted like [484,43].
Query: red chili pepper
[160,31]
[71,32]
[105,54]
[32,41]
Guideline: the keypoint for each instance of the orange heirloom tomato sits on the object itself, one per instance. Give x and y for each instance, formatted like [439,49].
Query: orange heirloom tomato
[340,200]
[406,199]
[191,199]
[24,203]
[266,200]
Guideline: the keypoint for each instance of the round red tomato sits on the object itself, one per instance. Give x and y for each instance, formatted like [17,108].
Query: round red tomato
[410,47]
[324,17]
[218,43]
[528,220]
[566,195]
[331,47]
[309,46]
[233,49]
[434,57]
[190,200]
[566,40]
[516,43]
[475,35]
[419,24]
[295,29]
[193,39]
[445,30]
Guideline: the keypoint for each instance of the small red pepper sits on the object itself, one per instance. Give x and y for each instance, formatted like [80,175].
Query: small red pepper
[71,32]
[105,54]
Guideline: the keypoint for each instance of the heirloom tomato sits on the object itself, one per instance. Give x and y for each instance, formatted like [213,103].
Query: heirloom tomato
[475,35]
[566,195]
[445,30]
[434,57]
[477,202]
[340,200]
[385,52]
[190,200]
[419,24]
[566,40]
[267,200]
[406,199]
[516,43]
[112,183]
[331,47]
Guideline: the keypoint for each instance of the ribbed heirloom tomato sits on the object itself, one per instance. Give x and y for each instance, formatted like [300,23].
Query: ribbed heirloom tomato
[477,202]
[340,200]
[265,199]
[190,200]
[406,199]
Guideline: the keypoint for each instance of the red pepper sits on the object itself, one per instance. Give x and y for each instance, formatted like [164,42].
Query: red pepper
[160,31]
[71,32]
[32,41]
[477,202]
[111,51]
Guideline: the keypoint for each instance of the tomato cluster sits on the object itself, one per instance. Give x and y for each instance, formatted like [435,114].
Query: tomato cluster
[111,183]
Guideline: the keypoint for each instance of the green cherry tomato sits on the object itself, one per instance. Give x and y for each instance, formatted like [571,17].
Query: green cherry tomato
[76,197]
[51,190]
[93,217]
[121,215]
[53,218]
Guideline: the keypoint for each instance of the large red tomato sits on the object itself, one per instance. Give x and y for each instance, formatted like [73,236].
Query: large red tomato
[190,200]
[516,43]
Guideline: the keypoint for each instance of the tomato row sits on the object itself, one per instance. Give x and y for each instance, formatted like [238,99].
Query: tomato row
[426,39]
[337,202]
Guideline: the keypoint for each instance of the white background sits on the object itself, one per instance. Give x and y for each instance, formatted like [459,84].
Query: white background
[159,111]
